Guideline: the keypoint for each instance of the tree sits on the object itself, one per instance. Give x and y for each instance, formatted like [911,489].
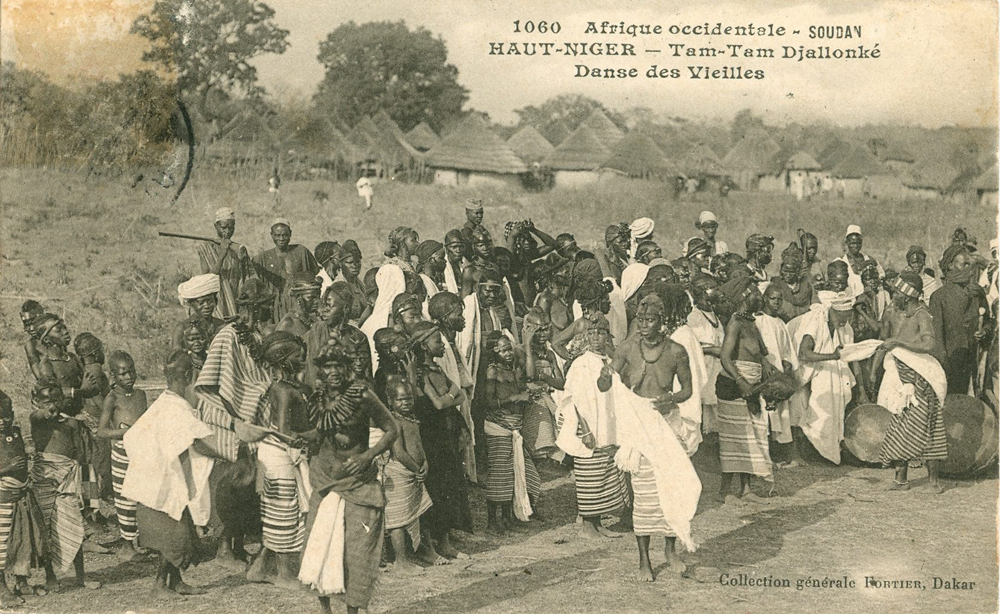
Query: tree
[570,108]
[387,66]
[208,44]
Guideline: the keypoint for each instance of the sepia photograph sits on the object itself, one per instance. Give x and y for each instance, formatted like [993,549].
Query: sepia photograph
[499,307]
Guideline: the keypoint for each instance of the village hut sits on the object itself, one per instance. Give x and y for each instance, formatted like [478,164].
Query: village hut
[897,157]
[529,145]
[748,160]
[422,137]
[637,156]
[986,188]
[245,140]
[555,132]
[604,129]
[577,160]
[861,174]
[471,154]
[930,179]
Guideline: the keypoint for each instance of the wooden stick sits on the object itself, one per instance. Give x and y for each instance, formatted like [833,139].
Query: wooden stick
[177,235]
[139,292]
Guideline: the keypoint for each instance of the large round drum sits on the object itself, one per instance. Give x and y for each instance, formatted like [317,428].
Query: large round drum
[971,428]
[864,430]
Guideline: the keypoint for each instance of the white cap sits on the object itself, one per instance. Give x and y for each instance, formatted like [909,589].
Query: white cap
[853,229]
[706,216]
[642,228]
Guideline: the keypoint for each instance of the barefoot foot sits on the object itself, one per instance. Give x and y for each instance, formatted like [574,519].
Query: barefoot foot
[162,592]
[894,485]
[645,574]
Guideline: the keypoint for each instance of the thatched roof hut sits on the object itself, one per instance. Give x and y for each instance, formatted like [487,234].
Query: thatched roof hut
[637,155]
[529,145]
[833,153]
[581,151]
[802,161]
[752,153]
[701,160]
[607,133]
[859,164]
[555,132]
[471,146]
[936,175]
[671,142]
[422,137]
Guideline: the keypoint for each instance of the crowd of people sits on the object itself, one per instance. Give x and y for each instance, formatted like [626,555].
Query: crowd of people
[324,409]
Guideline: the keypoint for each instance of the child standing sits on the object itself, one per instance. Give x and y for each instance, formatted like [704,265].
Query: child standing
[512,482]
[122,407]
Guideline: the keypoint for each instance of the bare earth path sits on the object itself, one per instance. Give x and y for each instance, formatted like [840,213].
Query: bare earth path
[828,523]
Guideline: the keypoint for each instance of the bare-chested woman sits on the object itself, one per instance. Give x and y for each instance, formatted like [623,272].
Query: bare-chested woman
[918,431]
[554,299]
[743,426]
[344,477]
[648,364]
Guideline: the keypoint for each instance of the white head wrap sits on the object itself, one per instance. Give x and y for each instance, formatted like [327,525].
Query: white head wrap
[197,287]
[224,213]
[853,229]
[632,277]
[706,216]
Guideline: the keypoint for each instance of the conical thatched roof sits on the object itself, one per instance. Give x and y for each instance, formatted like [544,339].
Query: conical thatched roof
[931,174]
[752,153]
[637,155]
[318,138]
[471,146]
[422,137]
[833,153]
[987,182]
[556,132]
[802,161]
[671,142]
[859,164]
[581,151]
[530,145]
[604,129]
[382,142]
[701,160]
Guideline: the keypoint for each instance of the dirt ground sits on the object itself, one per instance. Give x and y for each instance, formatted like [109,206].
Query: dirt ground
[830,523]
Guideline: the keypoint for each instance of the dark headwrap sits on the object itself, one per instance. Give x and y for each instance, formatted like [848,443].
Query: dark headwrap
[835,267]
[303,283]
[949,255]
[454,236]
[350,246]
[279,346]
[327,251]
[587,269]
[792,256]
[444,303]
[390,345]
[86,344]
[426,249]
[590,290]
[422,331]
[757,242]
[404,302]
[615,231]
[869,267]
[915,249]
[696,246]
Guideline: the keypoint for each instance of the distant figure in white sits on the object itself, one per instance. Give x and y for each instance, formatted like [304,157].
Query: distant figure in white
[366,190]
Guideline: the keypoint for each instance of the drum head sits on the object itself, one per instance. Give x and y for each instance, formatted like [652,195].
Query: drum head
[864,430]
[971,428]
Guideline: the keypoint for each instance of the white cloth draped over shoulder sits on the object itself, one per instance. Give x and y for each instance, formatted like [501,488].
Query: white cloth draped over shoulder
[632,279]
[155,475]
[688,426]
[450,280]
[431,288]
[391,283]
[780,349]
[896,396]
[818,408]
[623,418]
[643,432]
[582,399]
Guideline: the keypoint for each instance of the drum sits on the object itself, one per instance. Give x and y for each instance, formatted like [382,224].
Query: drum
[864,430]
[971,428]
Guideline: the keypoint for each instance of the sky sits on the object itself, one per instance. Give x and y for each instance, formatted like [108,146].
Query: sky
[938,63]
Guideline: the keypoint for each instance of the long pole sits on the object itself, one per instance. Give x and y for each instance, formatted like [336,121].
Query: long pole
[177,235]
